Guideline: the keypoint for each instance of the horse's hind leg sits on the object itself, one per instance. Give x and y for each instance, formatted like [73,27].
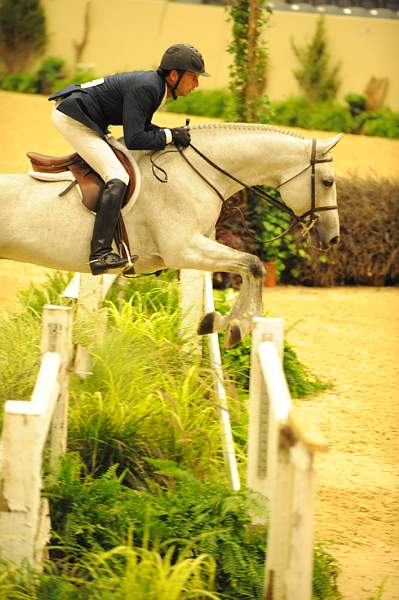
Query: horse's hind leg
[207,255]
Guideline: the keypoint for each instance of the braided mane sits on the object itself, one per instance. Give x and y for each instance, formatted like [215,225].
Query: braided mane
[248,127]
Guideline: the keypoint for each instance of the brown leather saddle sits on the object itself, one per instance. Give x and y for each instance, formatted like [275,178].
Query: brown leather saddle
[90,184]
[89,181]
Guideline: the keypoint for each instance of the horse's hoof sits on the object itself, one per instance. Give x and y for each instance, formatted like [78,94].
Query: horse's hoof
[207,323]
[233,334]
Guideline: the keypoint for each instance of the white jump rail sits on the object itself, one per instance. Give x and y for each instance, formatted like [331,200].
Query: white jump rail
[220,390]
[196,297]
[24,514]
[280,466]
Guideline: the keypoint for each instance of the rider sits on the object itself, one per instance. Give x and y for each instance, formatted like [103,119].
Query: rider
[83,113]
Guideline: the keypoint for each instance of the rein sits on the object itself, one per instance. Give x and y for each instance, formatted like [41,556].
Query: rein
[307,220]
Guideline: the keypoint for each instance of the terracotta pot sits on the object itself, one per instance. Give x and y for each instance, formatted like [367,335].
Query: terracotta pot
[270,279]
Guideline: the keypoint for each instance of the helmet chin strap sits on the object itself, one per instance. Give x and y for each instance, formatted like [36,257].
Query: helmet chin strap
[174,88]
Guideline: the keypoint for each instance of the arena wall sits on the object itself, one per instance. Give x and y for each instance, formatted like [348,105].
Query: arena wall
[132,34]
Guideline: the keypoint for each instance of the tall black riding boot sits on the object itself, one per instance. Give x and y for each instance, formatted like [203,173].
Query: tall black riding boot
[102,258]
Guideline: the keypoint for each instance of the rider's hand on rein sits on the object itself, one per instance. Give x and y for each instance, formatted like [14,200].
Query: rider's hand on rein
[181,136]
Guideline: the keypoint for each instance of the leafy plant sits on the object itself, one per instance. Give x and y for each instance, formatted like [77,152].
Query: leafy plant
[325,574]
[124,571]
[316,79]
[19,356]
[49,73]
[141,364]
[268,222]
[300,381]
[294,112]
[383,123]
[331,117]
[211,103]
[356,102]
[25,83]
[34,297]
[81,75]
[202,515]
[22,33]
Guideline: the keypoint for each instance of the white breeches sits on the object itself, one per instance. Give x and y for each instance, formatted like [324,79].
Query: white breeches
[90,146]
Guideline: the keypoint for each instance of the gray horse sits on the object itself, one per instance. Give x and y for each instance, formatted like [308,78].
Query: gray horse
[171,225]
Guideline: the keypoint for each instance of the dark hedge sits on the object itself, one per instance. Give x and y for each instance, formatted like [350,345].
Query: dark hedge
[369,250]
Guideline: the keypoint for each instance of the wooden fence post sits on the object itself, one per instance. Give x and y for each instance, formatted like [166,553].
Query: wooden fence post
[24,515]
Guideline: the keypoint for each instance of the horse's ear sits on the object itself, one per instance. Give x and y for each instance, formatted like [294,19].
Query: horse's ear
[324,146]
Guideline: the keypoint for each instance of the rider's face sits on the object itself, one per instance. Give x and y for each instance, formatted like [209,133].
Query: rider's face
[187,83]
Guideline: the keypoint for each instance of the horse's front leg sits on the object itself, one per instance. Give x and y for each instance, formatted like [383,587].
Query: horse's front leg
[207,255]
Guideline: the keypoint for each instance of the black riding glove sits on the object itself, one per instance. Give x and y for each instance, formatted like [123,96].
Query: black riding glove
[180,136]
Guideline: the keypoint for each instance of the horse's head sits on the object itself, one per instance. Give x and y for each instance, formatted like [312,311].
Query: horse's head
[310,192]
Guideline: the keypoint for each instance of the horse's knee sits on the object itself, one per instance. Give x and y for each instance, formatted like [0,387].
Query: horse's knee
[256,267]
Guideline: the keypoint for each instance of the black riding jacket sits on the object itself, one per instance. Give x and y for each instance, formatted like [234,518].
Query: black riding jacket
[128,99]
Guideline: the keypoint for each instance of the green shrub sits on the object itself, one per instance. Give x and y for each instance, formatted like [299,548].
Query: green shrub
[150,429]
[356,102]
[80,76]
[330,117]
[96,514]
[383,123]
[26,83]
[299,112]
[268,222]
[34,297]
[141,364]
[210,103]
[199,517]
[264,223]
[293,112]
[126,571]
[296,111]
[49,73]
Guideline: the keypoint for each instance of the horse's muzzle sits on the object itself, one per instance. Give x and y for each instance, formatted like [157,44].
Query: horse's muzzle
[334,241]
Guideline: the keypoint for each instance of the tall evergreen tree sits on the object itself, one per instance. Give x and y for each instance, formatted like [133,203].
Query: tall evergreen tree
[317,80]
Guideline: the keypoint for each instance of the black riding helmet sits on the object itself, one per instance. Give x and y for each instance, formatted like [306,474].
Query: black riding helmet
[183,57]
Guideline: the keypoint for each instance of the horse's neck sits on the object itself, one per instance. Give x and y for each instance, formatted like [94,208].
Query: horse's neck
[254,155]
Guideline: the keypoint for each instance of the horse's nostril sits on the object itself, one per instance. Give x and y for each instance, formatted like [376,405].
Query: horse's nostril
[334,241]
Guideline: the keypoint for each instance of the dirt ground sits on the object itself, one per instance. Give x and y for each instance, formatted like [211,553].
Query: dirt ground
[349,336]
[346,335]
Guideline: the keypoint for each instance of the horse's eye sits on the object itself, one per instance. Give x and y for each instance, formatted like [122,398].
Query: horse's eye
[328,182]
